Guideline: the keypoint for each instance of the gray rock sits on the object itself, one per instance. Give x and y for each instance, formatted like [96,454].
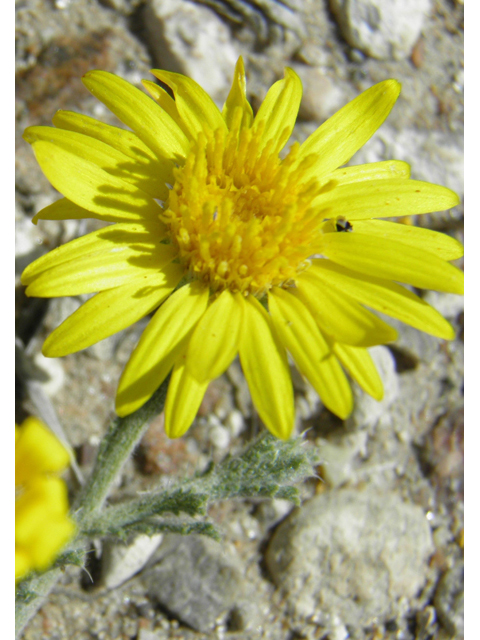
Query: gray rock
[449,305]
[425,621]
[146,634]
[126,7]
[367,411]
[449,601]
[39,24]
[242,392]
[28,240]
[412,346]
[235,423]
[54,373]
[193,40]
[382,29]
[202,583]
[121,561]
[219,435]
[60,309]
[340,461]
[428,392]
[270,512]
[349,557]
[322,96]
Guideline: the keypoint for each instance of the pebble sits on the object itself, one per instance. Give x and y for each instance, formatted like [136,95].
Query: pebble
[383,29]
[191,39]
[54,374]
[60,309]
[218,435]
[126,7]
[201,582]
[53,39]
[271,512]
[147,634]
[338,460]
[28,240]
[322,96]
[235,423]
[120,561]
[351,556]
[367,411]
[243,399]
[449,601]
[448,304]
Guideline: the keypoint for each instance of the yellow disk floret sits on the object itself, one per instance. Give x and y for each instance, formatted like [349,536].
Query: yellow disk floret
[241,217]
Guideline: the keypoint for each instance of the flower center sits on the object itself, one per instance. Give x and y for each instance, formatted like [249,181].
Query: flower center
[240,215]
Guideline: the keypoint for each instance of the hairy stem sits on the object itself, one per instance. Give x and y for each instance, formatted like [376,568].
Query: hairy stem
[115,449]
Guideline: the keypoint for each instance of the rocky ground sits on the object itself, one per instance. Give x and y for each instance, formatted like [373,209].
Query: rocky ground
[376,550]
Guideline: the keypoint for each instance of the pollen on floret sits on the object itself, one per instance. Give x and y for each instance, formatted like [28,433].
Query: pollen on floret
[239,215]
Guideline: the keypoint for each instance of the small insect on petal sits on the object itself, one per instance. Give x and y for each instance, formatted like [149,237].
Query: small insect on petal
[342,224]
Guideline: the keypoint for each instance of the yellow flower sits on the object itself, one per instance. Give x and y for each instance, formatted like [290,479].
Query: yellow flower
[42,525]
[238,250]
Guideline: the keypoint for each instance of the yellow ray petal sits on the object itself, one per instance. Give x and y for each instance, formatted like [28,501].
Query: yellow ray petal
[237,98]
[361,367]
[313,356]
[279,109]
[100,270]
[134,108]
[137,236]
[47,546]
[108,158]
[342,135]
[156,172]
[46,498]
[384,199]
[167,103]
[264,363]
[111,311]
[384,296]
[22,563]
[184,397]
[37,451]
[440,244]
[387,169]
[121,139]
[340,316]
[65,209]
[93,188]
[392,260]
[214,343]
[196,108]
[159,346]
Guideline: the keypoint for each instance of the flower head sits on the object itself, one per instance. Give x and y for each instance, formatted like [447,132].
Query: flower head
[237,249]
[42,525]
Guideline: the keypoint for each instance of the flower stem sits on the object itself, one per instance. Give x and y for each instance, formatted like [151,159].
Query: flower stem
[115,449]
[31,596]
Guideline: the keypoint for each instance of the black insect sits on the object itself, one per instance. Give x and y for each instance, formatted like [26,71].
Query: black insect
[342,224]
